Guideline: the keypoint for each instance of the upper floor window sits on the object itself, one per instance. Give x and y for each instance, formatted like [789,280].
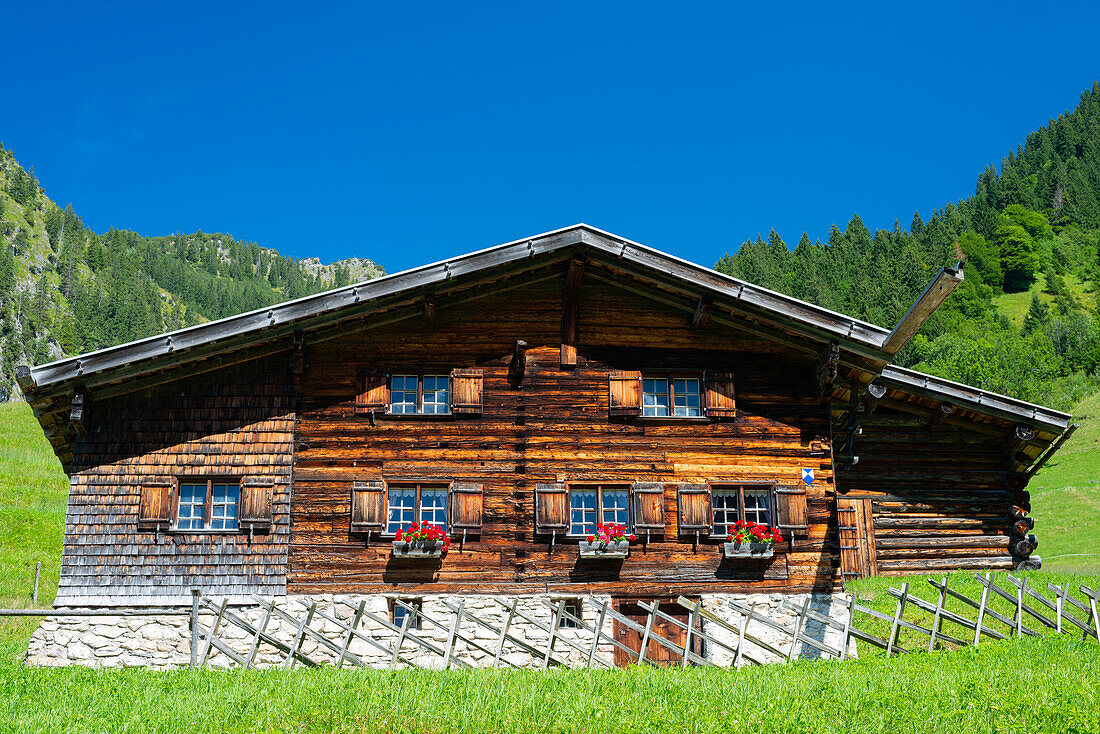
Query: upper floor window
[593,504]
[425,394]
[207,505]
[416,503]
[731,503]
[677,397]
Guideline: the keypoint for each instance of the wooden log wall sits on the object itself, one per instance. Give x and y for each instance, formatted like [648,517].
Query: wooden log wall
[236,422]
[553,427]
[938,492]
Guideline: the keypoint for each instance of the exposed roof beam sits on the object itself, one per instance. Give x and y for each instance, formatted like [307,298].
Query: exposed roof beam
[922,309]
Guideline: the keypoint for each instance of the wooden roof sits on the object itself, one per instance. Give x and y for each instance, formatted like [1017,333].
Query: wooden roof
[866,349]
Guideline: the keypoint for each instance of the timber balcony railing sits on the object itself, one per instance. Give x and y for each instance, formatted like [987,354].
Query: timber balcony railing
[560,637]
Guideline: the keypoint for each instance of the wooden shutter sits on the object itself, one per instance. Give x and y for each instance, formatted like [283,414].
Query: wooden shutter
[693,501]
[466,388]
[368,506]
[649,506]
[256,504]
[372,391]
[155,507]
[856,523]
[551,508]
[791,513]
[466,507]
[625,393]
[720,395]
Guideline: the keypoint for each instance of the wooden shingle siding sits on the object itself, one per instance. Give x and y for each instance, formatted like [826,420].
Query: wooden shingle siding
[233,423]
[553,428]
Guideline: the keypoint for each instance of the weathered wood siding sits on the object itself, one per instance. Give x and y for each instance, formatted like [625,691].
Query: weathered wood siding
[554,428]
[938,494]
[235,422]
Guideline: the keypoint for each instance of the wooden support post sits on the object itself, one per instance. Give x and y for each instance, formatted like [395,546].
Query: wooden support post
[570,312]
[939,613]
[517,368]
[981,608]
[78,414]
[827,370]
[351,632]
[555,618]
[745,619]
[256,639]
[798,628]
[892,640]
[37,573]
[875,393]
[504,632]
[848,626]
[429,309]
[406,620]
[701,316]
[693,619]
[195,595]
[1018,629]
[645,635]
[299,636]
[451,638]
[1092,604]
[213,631]
[1059,602]
[598,632]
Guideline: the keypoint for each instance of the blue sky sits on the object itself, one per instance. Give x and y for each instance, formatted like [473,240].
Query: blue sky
[409,132]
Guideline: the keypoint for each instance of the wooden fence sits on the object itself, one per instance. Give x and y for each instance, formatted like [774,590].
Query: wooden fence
[471,640]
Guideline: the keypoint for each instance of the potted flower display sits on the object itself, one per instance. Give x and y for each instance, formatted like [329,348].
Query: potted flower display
[425,540]
[610,541]
[751,540]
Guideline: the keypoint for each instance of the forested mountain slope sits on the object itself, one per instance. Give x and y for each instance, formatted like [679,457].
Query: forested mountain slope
[67,290]
[1030,235]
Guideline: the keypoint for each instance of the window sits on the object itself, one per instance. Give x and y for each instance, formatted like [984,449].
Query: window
[739,502]
[420,394]
[207,505]
[407,609]
[680,395]
[591,504]
[571,613]
[419,503]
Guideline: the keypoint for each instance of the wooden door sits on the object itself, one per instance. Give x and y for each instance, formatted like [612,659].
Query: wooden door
[655,652]
[856,523]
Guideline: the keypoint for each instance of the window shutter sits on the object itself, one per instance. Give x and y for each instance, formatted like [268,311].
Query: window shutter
[372,391]
[466,507]
[154,508]
[720,395]
[256,504]
[694,505]
[625,393]
[368,506]
[466,386]
[649,506]
[790,503]
[551,508]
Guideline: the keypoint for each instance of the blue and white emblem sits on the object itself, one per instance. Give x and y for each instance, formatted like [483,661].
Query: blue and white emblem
[808,476]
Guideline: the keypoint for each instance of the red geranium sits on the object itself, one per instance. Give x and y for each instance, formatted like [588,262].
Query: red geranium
[611,533]
[747,531]
[427,531]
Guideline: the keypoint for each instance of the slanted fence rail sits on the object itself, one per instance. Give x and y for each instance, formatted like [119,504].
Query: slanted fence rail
[545,633]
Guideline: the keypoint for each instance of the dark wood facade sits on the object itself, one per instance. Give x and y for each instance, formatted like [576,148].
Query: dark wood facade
[544,341]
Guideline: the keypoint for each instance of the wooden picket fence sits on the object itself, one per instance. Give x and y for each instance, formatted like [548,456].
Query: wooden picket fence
[403,646]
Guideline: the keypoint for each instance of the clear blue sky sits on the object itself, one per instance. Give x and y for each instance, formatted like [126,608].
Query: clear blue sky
[409,132]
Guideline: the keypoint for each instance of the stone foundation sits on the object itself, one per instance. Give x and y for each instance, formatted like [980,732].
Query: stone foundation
[164,642]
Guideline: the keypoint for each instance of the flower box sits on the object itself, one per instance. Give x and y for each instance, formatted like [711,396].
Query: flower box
[748,550]
[418,549]
[608,549]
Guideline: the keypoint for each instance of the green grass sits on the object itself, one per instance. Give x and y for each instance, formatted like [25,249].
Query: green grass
[1015,305]
[1065,498]
[1047,685]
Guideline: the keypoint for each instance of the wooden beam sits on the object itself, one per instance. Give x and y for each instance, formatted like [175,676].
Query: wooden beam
[24,378]
[429,308]
[1057,445]
[827,369]
[701,316]
[933,296]
[875,393]
[570,311]
[518,366]
[78,414]
[944,410]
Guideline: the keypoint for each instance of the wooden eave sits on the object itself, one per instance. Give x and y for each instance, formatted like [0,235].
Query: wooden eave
[802,326]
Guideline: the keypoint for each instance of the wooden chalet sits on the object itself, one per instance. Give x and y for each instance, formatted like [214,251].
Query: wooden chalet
[517,395]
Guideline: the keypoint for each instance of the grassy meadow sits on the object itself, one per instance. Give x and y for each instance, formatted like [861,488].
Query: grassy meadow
[1047,684]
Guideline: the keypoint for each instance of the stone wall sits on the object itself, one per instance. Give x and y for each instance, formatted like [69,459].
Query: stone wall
[164,642]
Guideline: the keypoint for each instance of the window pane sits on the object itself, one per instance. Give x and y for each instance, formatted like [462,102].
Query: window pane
[655,397]
[403,394]
[571,607]
[758,506]
[402,508]
[725,510]
[437,394]
[192,506]
[407,608]
[582,511]
[687,397]
[616,506]
[223,509]
[433,505]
